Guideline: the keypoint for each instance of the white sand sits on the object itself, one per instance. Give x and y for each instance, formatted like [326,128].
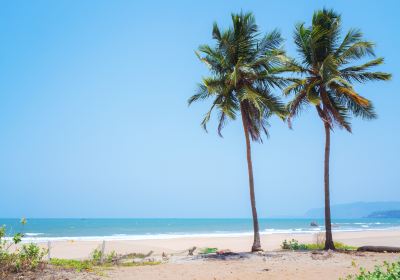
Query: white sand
[274,264]
[270,242]
[277,266]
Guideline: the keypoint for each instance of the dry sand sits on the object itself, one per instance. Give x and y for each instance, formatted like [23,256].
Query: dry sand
[276,265]
[270,242]
[272,264]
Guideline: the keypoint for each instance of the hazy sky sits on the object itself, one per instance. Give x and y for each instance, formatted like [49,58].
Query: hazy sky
[94,119]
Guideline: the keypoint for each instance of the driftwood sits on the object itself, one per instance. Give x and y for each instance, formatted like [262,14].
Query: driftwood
[379,249]
[191,251]
[225,256]
[119,258]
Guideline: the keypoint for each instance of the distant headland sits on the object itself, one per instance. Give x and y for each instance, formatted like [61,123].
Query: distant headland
[385,209]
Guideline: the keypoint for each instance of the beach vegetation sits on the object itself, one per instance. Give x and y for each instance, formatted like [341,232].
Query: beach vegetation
[293,245]
[138,255]
[110,257]
[327,72]
[97,263]
[15,258]
[145,263]
[244,67]
[78,265]
[96,260]
[208,250]
[98,257]
[387,271]
[296,245]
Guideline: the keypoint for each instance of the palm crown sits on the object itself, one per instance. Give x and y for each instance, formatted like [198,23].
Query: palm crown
[326,61]
[244,69]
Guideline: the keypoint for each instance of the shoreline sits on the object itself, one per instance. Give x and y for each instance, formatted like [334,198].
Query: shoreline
[35,237]
[81,249]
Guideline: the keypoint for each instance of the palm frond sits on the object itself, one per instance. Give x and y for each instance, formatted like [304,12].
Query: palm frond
[295,106]
[350,93]
[207,116]
[202,93]
[356,51]
[328,68]
[340,114]
[358,110]
[337,112]
[363,77]
[263,99]
[295,87]
[221,123]
[352,36]
[216,33]
[302,40]
[270,42]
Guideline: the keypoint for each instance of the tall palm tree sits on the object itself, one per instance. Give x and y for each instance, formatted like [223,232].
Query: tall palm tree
[327,65]
[244,68]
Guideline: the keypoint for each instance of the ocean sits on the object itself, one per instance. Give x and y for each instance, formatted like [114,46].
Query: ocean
[134,229]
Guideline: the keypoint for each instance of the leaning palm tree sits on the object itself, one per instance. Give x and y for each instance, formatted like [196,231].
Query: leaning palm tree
[244,68]
[327,65]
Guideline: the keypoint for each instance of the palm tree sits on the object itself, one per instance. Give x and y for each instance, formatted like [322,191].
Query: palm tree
[327,65]
[244,69]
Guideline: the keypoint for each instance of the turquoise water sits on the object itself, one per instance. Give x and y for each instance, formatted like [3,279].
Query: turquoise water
[126,229]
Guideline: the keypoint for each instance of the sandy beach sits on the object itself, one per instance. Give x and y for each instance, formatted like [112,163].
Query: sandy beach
[278,265]
[271,264]
[271,242]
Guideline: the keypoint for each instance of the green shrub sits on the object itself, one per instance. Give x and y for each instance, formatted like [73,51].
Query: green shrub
[94,263]
[342,246]
[208,250]
[388,271]
[27,257]
[31,256]
[109,258]
[98,258]
[295,245]
[72,264]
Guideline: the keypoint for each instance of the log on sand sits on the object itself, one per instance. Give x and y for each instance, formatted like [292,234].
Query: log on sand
[379,249]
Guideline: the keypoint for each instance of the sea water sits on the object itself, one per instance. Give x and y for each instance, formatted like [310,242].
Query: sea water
[136,229]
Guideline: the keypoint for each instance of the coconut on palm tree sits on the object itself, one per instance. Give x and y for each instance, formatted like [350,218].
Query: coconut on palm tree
[244,68]
[329,70]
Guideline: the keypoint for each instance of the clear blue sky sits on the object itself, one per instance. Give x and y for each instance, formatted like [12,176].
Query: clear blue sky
[94,120]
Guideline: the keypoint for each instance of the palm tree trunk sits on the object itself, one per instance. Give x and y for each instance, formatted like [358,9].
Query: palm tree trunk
[328,226]
[256,243]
